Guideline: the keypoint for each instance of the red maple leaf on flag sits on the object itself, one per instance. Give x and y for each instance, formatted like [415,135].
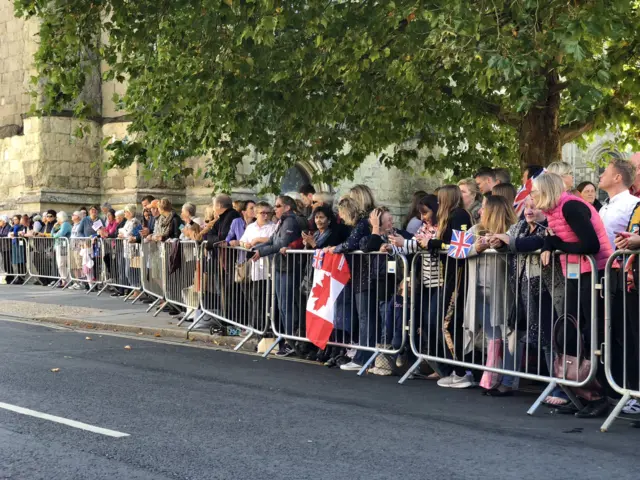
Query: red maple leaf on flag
[321,292]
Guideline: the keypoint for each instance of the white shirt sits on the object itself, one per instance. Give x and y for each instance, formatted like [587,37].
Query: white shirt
[261,267]
[616,214]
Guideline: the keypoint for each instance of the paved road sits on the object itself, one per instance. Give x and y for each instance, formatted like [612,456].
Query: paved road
[204,414]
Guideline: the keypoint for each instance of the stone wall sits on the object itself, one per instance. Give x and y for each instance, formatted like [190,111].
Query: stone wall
[17,46]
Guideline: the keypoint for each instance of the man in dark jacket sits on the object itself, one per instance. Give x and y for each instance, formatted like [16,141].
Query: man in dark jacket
[223,208]
[287,277]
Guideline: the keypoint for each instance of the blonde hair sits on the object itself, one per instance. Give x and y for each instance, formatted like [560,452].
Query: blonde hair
[349,211]
[560,168]
[363,197]
[449,198]
[131,208]
[208,213]
[497,215]
[470,183]
[550,187]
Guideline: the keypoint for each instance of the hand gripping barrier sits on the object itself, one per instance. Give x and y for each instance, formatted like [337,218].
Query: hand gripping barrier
[498,312]
[622,328]
[370,312]
[122,265]
[181,263]
[85,262]
[13,259]
[153,272]
[234,289]
[47,259]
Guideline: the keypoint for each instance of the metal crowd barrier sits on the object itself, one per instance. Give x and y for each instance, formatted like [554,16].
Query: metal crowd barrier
[47,258]
[13,259]
[367,319]
[181,262]
[622,329]
[85,262]
[152,277]
[234,289]
[497,312]
[122,265]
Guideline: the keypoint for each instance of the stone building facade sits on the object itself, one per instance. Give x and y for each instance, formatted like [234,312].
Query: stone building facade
[43,165]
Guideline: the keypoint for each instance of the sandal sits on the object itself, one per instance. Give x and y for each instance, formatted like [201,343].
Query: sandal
[557,398]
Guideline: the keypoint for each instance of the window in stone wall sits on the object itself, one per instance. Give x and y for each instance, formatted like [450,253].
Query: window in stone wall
[295,177]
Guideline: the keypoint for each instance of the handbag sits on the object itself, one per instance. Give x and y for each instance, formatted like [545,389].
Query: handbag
[242,272]
[574,368]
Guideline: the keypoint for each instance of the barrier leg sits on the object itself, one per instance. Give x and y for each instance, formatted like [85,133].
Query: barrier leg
[91,287]
[57,283]
[616,411]
[277,342]
[67,284]
[137,298]
[413,368]
[195,322]
[155,302]
[159,309]
[103,289]
[27,280]
[128,295]
[185,316]
[541,398]
[244,340]
[369,362]
[572,397]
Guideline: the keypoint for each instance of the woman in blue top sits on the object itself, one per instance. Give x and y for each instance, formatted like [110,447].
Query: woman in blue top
[17,247]
[62,232]
[355,211]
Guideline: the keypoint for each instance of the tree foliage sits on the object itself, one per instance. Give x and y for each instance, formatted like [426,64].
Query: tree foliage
[487,82]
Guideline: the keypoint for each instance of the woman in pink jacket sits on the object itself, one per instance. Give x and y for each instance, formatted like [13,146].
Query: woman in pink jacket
[575,228]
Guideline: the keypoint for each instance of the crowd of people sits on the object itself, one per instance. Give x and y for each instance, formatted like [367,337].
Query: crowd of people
[529,297]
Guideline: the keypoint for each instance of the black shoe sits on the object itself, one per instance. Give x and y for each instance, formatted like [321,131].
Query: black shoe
[148,301]
[342,360]
[331,362]
[116,294]
[596,409]
[568,409]
[494,392]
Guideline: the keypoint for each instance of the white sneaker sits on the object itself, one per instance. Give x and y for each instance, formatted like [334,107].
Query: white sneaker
[76,286]
[351,367]
[632,407]
[454,381]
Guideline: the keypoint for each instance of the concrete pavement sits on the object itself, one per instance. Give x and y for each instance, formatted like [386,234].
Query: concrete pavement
[89,311]
[198,413]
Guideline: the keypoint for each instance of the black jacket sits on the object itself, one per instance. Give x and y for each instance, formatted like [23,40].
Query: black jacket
[174,227]
[220,229]
[287,232]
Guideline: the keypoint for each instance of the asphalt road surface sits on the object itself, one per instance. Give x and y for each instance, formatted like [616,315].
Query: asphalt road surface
[193,413]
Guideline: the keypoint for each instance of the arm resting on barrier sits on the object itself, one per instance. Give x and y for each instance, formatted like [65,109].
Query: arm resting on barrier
[578,216]
[352,243]
[288,232]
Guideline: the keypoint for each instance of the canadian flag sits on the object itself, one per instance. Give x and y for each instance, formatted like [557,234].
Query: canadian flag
[331,274]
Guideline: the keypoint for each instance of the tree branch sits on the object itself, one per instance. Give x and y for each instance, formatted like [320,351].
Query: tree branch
[571,131]
[485,106]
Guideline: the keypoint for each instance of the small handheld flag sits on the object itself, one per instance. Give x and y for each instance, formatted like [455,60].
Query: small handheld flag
[460,245]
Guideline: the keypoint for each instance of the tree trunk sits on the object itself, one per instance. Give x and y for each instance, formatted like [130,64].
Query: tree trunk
[540,142]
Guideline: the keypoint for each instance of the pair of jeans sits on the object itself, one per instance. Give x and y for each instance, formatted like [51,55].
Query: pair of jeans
[368,321]
[287,289]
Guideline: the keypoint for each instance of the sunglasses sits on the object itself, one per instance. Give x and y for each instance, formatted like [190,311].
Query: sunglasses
[278,206]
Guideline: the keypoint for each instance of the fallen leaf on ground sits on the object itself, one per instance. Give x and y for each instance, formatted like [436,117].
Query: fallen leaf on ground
[127,347]
[88,338]
[157,335]
[140,333]
[68,324]
[191,339]
[55,370]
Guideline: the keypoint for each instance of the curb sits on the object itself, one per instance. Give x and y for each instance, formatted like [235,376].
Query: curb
[182,334]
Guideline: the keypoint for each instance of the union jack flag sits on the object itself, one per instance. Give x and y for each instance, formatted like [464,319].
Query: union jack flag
[523,193]
[461,243]
[318,257]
